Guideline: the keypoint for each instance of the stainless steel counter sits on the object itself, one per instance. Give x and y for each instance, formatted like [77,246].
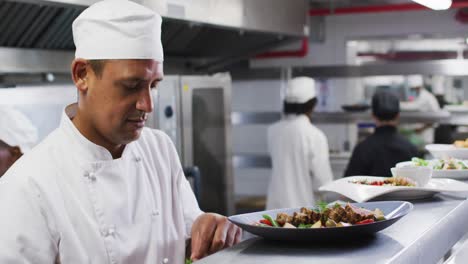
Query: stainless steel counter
[423,236]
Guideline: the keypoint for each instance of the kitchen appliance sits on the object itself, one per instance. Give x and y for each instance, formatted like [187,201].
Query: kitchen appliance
[195,111]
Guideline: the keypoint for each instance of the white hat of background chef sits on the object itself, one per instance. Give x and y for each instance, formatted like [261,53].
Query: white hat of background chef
[415,81]
[118,29]
[16,129]
[300,90]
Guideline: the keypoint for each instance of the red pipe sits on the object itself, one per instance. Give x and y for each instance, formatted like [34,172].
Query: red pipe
[302,52]
[377,9]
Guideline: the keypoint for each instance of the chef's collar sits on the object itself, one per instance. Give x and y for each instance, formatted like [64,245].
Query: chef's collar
[385,129]
[87,149]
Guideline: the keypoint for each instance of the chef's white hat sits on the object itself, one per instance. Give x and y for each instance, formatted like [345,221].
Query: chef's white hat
[16,129]
[415,81]
[300,90]
[118,29]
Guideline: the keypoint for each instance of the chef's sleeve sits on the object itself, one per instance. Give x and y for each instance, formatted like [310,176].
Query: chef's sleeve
[187,198]
[25,234]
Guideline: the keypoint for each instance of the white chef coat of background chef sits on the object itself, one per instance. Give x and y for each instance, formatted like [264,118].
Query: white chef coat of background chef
[16,129]
[299,153]
[69,201]
[425,102]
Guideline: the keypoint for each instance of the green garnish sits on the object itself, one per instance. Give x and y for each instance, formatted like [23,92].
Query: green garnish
[420,162]
[304,226]
[462,165]
[272,221]
[322,206]
[188,261]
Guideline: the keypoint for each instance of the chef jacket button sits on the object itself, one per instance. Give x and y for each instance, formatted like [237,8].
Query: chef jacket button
[108,232]
[137,159]
[111,232]
[90,175]
[165,260]
[154,215]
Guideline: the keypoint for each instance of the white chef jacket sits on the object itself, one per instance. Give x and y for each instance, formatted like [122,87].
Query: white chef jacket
[68,201]
[300,159]
[425,102]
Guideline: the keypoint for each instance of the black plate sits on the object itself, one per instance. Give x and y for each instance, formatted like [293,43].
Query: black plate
[393,210]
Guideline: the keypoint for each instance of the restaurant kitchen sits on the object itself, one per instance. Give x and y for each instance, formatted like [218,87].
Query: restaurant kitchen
[228,71]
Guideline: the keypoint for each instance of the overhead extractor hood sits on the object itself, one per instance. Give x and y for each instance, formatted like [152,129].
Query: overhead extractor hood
[198,35]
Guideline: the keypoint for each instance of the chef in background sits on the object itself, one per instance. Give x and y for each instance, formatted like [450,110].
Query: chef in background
[424,102]
[298,150]
[102,188]
[17,136]
[382,150]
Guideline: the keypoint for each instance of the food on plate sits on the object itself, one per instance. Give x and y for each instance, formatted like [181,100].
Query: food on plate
[441,164]
[323,216]
[393,181]
[461,143]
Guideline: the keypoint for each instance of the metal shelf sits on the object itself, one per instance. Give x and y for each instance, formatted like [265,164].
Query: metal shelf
[445,117]
[452,67]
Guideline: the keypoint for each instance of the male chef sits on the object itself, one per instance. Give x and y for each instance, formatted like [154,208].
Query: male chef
[102,188]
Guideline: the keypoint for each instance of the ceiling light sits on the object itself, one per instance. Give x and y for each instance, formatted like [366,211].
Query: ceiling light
[435,4]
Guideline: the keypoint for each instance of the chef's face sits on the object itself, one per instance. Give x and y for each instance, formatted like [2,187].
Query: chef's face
[8,156]
[118,100]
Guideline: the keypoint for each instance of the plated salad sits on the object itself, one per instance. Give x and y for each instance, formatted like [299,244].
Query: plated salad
[393,181]
[323,217]
[441,164]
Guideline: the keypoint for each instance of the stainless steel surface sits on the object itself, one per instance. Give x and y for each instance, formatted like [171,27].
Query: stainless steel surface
[460,254]
[167,114]
[242,118]
[423,236]
[251,161]
[206,137]
[276,16]
[234,29]
[35,61]
[440,67]
[80,3]
[331,4]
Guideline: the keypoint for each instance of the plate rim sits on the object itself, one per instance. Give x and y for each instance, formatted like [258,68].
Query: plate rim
[331,187]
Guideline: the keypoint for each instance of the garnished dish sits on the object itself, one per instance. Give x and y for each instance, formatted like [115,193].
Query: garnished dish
[323,216]
[319,223]
[441,164]
[443,151]
[393,181]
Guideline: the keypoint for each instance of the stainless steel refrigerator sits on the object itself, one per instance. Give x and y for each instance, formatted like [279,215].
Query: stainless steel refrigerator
[195,111]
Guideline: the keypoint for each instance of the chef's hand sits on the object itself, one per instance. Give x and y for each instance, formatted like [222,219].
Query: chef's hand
[212,232]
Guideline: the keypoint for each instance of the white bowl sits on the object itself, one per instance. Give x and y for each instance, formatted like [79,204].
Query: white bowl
[420,175]
[444,151]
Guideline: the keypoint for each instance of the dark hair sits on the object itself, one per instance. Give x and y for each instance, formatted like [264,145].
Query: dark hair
[385,105]
[293,108]
[97,66]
